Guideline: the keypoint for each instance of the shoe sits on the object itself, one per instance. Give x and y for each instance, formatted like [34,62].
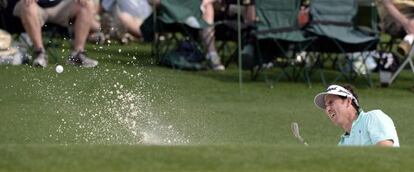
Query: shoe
[41,59]
[214,61]
[404,48]
[79,58]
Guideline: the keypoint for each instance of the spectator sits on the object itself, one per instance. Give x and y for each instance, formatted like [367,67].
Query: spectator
[249,16]
[96,36]
[129,14]
[361,128]
[208,36]
[249,9]
[34,14]
[396,20]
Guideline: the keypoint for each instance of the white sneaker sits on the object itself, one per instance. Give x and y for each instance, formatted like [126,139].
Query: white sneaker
[214,61]
[80,59]
[41,59]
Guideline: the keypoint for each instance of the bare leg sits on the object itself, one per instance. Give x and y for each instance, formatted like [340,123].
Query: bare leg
[83,24]
[208,36]
[250,14]
[130,23]
[31,23]
[398,16]
[208,33]
[96,24]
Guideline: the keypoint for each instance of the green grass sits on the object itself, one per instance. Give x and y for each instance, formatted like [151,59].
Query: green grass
[203,158]
[91,119]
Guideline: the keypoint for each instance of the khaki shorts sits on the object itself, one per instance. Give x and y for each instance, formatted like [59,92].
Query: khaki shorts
[59,14]
[118,12]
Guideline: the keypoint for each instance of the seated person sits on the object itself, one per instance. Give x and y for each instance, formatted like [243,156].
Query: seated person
[249,9]
[207,34]
[126,15]
[397,20]
[96,36]
[35,13]
[249,16]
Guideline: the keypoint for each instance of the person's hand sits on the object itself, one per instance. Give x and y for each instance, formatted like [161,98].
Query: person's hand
[29,2]
[82,2]
[409,26]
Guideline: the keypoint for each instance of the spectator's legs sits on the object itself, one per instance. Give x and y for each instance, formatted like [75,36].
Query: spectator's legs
[83,24]
[208,33]
[32,24]
[407,23]
[33,18]
[96,24]
[96,35]
[130,23]
[208,37]
[250,14]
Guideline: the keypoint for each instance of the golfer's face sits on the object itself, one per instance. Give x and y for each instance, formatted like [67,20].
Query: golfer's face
[335,106]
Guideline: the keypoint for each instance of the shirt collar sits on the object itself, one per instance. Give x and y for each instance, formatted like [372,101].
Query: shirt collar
[361,112]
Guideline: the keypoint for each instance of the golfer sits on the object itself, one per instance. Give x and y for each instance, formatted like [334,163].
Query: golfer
[341,105]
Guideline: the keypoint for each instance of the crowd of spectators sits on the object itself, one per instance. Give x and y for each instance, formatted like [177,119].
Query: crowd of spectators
[100,20]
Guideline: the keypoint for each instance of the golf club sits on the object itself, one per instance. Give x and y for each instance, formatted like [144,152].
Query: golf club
[295,131]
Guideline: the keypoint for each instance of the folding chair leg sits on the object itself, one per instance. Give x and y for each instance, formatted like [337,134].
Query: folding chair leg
[408,60]
[307,77]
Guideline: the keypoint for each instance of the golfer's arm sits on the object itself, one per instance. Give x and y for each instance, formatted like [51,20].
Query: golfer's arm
[385,143]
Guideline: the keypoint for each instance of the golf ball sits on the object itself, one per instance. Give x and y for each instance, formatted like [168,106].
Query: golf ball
[59,69]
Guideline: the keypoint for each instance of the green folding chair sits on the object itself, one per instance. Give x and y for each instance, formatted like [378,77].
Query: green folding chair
[279,38]
[333,22]
[226,28]
[171,23]
[408,60]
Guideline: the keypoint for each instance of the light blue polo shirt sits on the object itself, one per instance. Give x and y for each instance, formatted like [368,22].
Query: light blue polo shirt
[370,128]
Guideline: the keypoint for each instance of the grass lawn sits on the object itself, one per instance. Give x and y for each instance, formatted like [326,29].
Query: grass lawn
[129,114]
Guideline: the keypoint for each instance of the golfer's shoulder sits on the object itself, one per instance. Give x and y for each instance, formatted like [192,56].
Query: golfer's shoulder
[376,114]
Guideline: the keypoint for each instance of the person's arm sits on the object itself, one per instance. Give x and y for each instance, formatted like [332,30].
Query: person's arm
[385,143]
[398,16]
[381,129]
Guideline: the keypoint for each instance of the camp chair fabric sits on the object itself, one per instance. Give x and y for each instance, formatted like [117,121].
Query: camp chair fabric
[279,35]
[277,20]
[333,23]
[186,12]
[226,30]
[173,22]
[172,12]
[335,19]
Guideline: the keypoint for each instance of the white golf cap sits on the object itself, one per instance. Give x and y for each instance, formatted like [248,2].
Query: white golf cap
[334,90]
